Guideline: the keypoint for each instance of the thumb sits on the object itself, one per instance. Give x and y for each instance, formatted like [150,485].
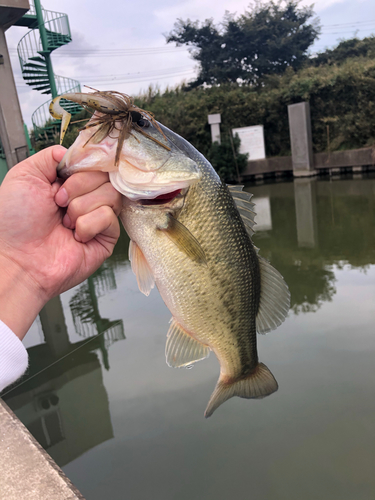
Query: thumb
[44,163]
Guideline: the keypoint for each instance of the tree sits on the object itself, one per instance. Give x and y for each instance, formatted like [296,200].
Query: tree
[227,159]
[352,48]
[264,41]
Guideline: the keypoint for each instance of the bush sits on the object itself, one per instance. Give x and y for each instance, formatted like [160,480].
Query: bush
[341,97]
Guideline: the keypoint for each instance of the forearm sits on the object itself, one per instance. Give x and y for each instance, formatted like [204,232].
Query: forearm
[20,298]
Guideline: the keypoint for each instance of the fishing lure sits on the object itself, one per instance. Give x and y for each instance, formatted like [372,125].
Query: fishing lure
[113,110]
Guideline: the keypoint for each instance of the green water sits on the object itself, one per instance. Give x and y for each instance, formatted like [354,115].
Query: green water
[122,425]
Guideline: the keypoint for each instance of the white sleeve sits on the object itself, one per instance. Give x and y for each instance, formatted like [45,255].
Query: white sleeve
[13,357]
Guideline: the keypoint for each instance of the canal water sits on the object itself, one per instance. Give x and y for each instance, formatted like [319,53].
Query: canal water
[123,425]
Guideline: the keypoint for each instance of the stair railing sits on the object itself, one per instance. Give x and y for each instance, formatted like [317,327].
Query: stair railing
[30,46]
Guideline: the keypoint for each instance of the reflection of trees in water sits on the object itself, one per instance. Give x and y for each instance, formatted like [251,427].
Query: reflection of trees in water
[320,288]
[345,223]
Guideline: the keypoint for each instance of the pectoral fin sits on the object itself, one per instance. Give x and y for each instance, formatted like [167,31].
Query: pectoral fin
[181,349]
[184,240]
[141,269]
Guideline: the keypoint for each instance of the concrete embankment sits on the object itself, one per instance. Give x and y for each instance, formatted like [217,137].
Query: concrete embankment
[27,472]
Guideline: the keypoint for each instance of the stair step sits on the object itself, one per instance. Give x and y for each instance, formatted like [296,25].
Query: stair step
[37,58]
[34,72]
[41,78]
[52,125]
[46,92]
[27,21]
[39,81]
[32,65]
[41,84]
[41,87]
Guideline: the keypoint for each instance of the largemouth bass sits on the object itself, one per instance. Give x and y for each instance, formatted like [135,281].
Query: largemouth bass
[191,237]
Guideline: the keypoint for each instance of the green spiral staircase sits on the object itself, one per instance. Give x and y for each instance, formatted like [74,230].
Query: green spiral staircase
[48,31]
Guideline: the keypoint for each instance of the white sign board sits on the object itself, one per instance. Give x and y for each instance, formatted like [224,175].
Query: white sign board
[252,141]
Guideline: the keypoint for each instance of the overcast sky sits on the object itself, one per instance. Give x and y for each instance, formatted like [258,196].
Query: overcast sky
[123,48]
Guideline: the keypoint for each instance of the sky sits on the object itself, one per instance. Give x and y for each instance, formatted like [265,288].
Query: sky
[124,48]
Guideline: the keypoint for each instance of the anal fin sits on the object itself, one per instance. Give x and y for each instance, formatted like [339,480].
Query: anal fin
[181,349]
[141,269]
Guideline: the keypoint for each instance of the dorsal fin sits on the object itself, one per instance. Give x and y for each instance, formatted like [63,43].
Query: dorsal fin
[244,206]
[274,298]
[274,292]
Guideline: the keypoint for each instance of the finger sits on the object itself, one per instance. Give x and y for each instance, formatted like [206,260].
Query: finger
[44,163]
[78,185]
[106,194]
[102,222]
[56,186]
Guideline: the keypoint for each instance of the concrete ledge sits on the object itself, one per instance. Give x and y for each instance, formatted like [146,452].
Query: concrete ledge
[348,158]
[27,472]
[274,164]
[282,165]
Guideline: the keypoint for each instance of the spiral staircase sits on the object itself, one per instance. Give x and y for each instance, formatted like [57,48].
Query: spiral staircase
[48,31]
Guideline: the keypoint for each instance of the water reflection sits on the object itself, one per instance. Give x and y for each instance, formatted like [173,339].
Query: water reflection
[53,399]
[85,311]
[311,438]
[317,224]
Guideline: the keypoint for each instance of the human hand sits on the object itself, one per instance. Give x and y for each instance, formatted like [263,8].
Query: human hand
[42,251]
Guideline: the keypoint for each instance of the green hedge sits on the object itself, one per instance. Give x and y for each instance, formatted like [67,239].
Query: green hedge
[341,97]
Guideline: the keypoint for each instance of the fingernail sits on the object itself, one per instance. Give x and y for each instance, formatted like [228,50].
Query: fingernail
[62,197]
[77,237]
[66,221]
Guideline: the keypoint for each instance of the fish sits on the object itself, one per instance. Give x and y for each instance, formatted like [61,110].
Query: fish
[191,237]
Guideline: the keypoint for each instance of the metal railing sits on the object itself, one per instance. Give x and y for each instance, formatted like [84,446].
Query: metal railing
[41,116]
[30,44]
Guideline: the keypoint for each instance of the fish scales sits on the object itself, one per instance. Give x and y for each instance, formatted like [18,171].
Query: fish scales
[217,303]
[190,236]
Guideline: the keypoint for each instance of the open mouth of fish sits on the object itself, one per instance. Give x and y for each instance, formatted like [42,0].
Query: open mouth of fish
[161,199]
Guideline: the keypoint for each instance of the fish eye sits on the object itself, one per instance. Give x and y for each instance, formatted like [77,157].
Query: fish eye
[143,123]
[136,116]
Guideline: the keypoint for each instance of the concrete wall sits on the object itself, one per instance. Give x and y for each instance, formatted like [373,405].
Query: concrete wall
[11,123]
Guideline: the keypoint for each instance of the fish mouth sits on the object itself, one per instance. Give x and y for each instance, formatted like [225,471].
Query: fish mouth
[163,199]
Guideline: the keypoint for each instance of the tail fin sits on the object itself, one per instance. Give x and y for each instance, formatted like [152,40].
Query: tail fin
[259,384]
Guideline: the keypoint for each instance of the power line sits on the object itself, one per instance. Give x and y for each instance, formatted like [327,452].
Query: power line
[128,80]
[350,23]
[113,52]
[346,32]
[142,51]
[137,74]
